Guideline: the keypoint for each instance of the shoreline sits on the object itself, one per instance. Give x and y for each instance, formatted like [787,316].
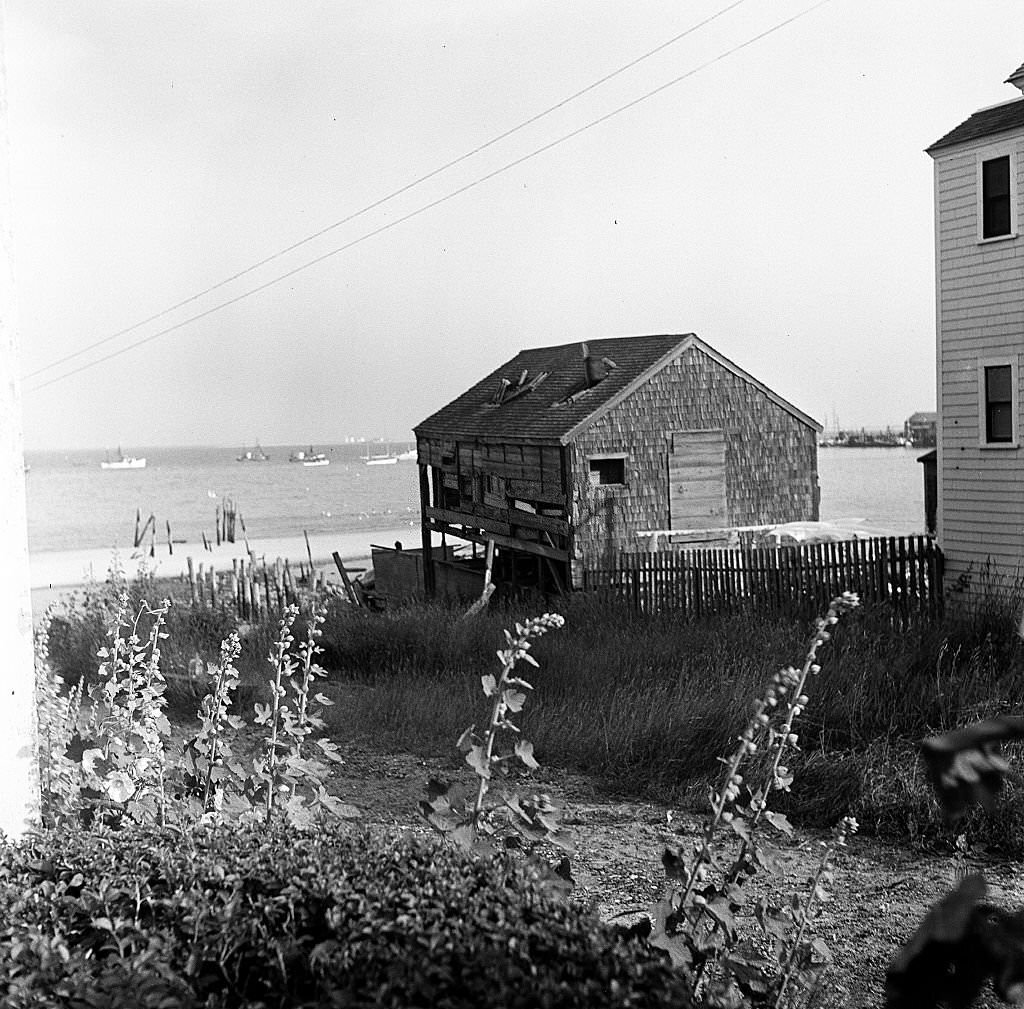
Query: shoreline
[57,573]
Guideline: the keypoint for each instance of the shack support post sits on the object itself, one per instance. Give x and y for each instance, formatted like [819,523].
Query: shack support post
[428,558]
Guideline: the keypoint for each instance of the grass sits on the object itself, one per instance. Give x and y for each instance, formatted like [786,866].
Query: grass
[646,703]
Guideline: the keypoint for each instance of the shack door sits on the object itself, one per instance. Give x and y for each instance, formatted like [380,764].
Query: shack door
[696,480]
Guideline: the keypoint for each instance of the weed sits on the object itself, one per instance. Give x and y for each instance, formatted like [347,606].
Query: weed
[963,942]
[115,765]
[466,816]
[695,919]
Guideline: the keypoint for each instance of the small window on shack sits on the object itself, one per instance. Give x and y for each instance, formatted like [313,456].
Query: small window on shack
[608,470]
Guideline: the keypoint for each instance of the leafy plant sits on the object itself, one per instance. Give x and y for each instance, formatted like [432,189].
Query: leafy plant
[465,815]
[283,776]
[57,713]
[211,773]
[231,917]
[116,763]
[963,942]
[123,760]
[695,921]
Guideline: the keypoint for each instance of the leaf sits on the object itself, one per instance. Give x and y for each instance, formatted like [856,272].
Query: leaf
[720,911]
[779,822]
[675,865]
[299,814]
[490,685]
[464,835]
[1002,935]
[940,964]
[330,751]
[524,751]
[740,827]
[514,700]
[965,766]
[477,759]
[342,810]
[675,946]
[436,787]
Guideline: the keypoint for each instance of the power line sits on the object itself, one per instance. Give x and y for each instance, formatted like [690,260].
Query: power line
[390,196]
[443,199]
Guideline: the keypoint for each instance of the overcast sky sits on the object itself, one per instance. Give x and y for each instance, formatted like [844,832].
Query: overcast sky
[777,201]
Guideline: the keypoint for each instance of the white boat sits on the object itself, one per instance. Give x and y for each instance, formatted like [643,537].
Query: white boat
[124,462]
[382,459]
[407,456]
[309,458]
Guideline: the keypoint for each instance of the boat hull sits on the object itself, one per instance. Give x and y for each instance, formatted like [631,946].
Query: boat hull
[129,463]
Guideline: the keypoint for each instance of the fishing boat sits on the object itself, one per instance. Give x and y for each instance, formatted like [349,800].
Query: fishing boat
[383,459]
[253,455]
[123,461]
[309,458]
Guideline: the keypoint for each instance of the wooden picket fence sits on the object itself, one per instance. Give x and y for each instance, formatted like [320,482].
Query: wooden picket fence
[904,572]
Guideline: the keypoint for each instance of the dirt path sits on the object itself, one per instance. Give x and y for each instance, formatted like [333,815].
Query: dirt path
[881,891]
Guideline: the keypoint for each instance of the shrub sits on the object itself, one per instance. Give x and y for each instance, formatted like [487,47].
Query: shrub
[271,917]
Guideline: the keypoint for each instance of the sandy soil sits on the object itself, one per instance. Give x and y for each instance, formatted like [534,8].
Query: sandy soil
[881,893]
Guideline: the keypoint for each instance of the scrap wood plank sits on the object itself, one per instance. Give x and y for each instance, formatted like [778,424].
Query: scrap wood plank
[355,597]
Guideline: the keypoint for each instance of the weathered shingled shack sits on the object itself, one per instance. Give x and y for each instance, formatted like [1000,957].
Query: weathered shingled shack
[565,455]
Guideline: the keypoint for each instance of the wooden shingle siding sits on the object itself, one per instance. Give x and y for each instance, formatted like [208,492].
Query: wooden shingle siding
[980,307]
[566,454]
[770,458]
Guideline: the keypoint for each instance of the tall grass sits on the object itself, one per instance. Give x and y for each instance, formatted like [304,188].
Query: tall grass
[647,702]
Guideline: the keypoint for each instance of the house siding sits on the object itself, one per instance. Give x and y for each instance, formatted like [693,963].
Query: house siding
[771,458]
[980,309]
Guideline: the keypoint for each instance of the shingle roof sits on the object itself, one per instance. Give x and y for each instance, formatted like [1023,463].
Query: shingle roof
[998,119]
[559,404]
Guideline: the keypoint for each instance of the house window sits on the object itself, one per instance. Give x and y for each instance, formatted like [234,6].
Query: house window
[608,470]
[998,402]
[997,197]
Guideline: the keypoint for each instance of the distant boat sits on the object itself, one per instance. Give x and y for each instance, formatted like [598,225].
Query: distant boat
[409,455]
[123,461]
[255,455]
[309,458]
[384,459]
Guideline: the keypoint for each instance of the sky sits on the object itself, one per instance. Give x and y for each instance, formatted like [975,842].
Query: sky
[776,200]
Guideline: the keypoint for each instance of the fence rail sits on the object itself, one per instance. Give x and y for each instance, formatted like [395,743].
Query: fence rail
[903,571]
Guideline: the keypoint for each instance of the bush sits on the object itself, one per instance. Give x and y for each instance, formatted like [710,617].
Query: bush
[270,917]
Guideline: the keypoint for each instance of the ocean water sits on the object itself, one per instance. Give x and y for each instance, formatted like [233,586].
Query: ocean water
[73,504]
[883,487]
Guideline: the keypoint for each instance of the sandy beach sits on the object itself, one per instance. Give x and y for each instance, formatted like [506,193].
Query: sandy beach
[56,573]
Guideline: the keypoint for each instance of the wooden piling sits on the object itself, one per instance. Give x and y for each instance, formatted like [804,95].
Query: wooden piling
[309,554]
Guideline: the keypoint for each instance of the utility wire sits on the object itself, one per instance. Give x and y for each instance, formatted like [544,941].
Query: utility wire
[443,199]
[394,193]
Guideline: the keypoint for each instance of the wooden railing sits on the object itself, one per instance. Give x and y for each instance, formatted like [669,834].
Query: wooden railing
[904,572]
